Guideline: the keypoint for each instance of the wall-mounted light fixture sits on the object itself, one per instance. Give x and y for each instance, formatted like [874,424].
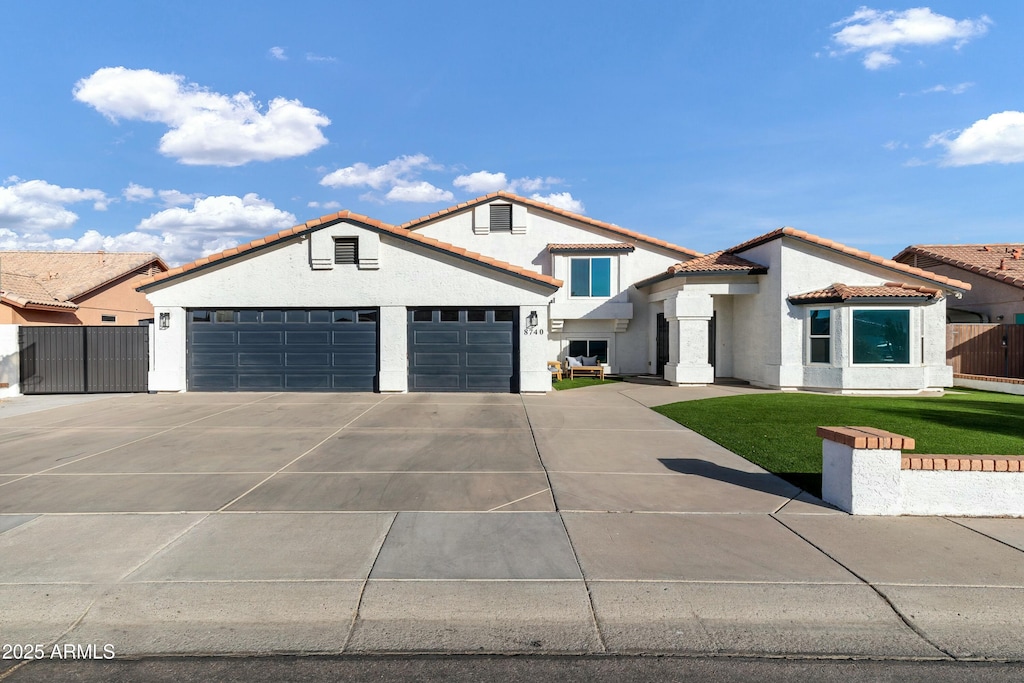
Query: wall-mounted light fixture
[165,320]
[531,320]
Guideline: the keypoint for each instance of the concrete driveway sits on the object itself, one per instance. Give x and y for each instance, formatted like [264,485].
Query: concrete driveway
[577,521]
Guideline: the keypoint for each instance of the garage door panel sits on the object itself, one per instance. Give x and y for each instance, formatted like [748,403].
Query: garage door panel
[487,360]
[283,350]
[463,350]
[354,337]
[347,360]
[212,360]
[247,338]
[266,359]
[318,338]
[490,337]
[226,337]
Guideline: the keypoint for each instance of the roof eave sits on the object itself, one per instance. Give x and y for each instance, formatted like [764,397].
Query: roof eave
[662,277]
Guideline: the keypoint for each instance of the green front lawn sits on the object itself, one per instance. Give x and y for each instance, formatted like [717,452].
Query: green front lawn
[777,431]
[559,385]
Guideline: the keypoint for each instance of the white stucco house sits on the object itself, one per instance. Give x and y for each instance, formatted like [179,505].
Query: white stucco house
[479,296]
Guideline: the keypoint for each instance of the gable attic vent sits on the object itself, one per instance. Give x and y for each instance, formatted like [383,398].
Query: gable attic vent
[501,218]
[346,250]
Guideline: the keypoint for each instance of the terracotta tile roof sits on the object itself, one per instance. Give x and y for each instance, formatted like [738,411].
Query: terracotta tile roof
[719,261]
[850,251]
[366,221]
[839,292]
[1002,262]
[610,227]
[56,278]
[716,263]
[607,246]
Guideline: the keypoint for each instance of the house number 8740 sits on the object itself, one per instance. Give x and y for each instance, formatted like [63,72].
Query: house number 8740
[533,330]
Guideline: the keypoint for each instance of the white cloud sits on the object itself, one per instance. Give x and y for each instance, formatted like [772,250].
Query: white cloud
[324,205]
[999,139]
[403,168]
[893,145]
[176,198]
[206,128]
[137,193]
[878,33]
[562,200]
[310,57]
[958,89]
[31,206]
[278,53]
[481,182]
[484,182]
[421,191]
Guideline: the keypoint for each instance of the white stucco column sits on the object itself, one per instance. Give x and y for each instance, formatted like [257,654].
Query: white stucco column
[394,349]
[689,313]
[168,363]
[534,375]
[10,372]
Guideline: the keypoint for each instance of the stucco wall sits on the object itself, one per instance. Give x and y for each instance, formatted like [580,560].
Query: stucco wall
[117,298]
[987,296]
[408,275]
[9,370]
[778,360]
[529,250]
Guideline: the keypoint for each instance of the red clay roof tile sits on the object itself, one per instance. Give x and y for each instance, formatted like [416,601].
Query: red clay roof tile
[1002,262]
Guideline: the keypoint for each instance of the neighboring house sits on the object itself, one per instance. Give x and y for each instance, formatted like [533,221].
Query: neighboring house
[346,302]
[75,288]
[995,271]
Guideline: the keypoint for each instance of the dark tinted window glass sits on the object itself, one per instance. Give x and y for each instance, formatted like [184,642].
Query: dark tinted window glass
[601,277]
[295,316]
[344,316]
[577,348]
[881,336]
[422,315]
[225,316]
[248,316]
[319,316]
[449,316]
[200,316]
[503,315]
[579,277]
[476,316]
[820,350]
[367,316]
[599,348]
[820,322]
[272,316]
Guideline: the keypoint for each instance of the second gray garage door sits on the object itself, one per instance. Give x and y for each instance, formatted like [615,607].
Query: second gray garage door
[467,349]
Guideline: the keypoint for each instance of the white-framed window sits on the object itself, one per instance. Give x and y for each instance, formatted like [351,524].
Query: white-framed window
[589,348]
[881,336]
[590,276]
[819,333]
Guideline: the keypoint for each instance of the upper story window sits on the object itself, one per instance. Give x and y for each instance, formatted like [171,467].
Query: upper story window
[346,250]
[590,277]
[881,336]
[501,217]
[820,332]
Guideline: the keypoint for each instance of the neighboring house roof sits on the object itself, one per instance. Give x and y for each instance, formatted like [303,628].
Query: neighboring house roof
[367,222]
[840,293]
[54,279]
[850,251]
[610,227]
[716,263]
[1002,262]
[606,246]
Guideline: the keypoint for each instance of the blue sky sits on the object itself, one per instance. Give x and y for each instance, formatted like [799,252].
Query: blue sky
[186,127]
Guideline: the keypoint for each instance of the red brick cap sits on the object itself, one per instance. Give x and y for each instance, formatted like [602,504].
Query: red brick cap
[866,438]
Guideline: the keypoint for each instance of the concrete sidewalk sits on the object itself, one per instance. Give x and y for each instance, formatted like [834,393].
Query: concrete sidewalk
[574,522]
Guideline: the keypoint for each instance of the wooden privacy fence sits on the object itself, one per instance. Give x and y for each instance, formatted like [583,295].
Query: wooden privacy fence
[985,349]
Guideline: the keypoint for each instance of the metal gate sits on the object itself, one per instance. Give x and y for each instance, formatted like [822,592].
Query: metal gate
[83,359]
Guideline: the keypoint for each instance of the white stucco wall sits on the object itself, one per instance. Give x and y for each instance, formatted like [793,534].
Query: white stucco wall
[10,372]
[986,296]
[594,317]
[408,275]
[870,482]
[778,359]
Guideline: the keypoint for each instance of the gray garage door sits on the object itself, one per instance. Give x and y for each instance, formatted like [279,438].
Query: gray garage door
[469,349]
[282,350]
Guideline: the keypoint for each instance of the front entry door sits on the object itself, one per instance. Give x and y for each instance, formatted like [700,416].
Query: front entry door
[661,342]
